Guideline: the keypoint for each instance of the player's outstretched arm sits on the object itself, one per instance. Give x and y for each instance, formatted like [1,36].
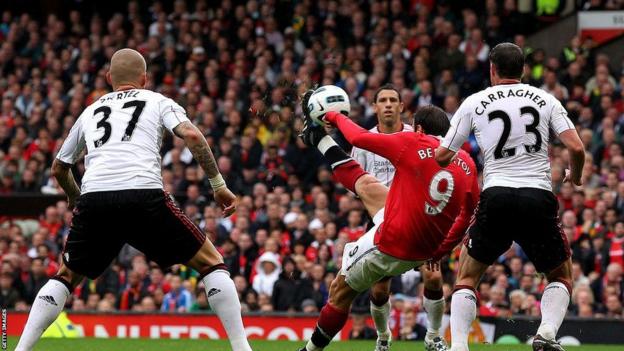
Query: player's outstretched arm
[389,146]
[63,174]
[200,149]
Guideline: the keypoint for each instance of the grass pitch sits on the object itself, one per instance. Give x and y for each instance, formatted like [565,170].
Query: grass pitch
[91,344]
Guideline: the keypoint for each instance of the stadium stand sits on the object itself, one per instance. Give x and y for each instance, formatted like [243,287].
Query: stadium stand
[283,246]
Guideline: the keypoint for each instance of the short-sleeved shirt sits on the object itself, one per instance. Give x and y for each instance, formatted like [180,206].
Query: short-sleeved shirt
[425,200]
[122,132]
[378,166]
[511,123]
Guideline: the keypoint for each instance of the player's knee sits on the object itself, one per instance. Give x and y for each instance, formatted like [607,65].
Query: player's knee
[368,185]
[207,256]
[340,293]
[334,287]
[67,276]
[563,273]
[380,292]
[379,297]
[467,281]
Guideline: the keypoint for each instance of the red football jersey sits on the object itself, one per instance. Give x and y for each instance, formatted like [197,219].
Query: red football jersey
[428,208]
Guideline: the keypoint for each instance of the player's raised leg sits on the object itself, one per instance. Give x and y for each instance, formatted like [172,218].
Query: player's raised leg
[433,304]
[47,306]
[221,292]
[464,302]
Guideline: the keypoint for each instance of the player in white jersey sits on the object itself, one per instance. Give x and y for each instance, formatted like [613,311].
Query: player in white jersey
[122,198]
[388,106]
[512,122]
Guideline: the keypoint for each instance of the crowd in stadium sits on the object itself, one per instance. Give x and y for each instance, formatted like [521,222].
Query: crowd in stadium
[284,243]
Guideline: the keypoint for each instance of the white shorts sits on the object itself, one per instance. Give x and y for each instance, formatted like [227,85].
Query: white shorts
[363,264]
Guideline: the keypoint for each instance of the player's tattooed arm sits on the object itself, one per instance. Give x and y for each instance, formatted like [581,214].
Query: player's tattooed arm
[63,174]
[199,147]
[201,151]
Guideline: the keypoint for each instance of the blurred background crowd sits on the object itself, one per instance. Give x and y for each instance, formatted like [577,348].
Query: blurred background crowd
[284,244]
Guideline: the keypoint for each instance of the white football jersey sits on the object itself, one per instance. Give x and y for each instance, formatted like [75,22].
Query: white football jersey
[374,164]
[511,123]
[122,132]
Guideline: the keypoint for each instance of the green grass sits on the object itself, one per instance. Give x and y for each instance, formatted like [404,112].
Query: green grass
[90,344]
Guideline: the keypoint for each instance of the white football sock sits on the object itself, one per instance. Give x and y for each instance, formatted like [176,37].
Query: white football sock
[435,311]
[554,306]
[380,316]
[47,306]
[463,312]
[223,299]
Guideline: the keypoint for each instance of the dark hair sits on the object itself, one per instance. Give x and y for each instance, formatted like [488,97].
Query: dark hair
[508,59]
[432,119]
[386,87]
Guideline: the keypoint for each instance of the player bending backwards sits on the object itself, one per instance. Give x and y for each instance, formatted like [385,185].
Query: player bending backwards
[122,198]
[388,107]
[511,122]
[423,205]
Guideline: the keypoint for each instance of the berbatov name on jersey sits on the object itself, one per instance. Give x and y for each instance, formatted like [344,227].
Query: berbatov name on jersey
[122,132]
[512,124]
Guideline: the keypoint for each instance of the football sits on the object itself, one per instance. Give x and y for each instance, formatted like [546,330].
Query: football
[328,98]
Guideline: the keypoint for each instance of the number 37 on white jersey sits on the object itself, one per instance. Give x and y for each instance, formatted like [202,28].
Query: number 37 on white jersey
[122,132]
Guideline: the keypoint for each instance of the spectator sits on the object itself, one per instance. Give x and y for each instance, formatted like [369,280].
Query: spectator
[239,86]
[9,296]
[268,271]
[360,330]
[178,299]
[290,292]
[133,293]
[36,279]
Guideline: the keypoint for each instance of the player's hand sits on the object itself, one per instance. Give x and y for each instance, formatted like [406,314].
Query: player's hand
[226,200]
[71,203]
[568,177]
[432,265]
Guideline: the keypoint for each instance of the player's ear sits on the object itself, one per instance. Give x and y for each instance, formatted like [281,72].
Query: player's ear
[143,82]
[401,106]
[418,128]
[109,80]
[375,107]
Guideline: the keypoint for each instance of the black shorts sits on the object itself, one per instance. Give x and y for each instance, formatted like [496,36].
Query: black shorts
[528,216]
[147,219]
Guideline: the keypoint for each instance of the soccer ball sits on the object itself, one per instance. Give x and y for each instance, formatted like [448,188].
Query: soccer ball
[328,98]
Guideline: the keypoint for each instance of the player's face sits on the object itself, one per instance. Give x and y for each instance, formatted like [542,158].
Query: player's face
[388,107]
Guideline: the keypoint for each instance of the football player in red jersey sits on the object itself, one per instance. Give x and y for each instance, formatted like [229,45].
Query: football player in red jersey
[422,217]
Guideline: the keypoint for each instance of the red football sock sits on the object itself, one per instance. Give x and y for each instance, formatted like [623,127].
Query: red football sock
[330,322]
[348,173]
